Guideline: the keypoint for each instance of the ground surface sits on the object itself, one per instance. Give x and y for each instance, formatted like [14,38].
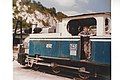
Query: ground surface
[20,73]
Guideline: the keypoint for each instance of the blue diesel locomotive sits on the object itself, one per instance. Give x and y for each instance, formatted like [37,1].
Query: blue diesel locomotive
[66,49]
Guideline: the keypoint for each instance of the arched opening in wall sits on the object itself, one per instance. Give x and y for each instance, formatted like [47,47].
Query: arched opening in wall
[75,26]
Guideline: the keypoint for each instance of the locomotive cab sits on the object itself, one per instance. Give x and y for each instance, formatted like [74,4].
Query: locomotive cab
[98,24]
[75,26]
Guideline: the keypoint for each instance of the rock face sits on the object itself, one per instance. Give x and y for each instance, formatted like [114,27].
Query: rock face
[35,13]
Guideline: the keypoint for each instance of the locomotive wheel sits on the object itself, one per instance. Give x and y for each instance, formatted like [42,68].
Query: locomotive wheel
[55,68]
[77,78]
[35,67]
[82,74]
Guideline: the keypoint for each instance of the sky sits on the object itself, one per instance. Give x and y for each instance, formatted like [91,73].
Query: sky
[77,7]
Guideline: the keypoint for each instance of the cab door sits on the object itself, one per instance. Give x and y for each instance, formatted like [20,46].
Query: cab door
[85,47]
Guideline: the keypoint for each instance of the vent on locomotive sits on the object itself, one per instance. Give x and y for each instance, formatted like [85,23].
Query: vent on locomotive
[75,26]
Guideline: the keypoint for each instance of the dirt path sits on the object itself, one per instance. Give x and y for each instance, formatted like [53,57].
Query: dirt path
[29,74]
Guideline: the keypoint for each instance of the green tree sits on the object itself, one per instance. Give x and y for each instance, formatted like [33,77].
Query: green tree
[60,15]
[14,3]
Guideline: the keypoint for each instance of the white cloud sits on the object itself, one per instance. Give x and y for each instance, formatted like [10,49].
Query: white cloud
[90,11]
[71,13]
[85,1]
[65,3]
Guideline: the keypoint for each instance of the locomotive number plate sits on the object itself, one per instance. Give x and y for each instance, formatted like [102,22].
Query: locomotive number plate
[73,49]
[48,45]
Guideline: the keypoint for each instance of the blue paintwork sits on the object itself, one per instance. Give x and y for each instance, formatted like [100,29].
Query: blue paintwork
[101,52]
[60,49]
[65,50]
[39,47]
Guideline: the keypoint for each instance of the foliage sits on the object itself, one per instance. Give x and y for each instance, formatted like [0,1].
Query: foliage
[14,3]
[24,23]
[45,23]
[60,15]
[32,6]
